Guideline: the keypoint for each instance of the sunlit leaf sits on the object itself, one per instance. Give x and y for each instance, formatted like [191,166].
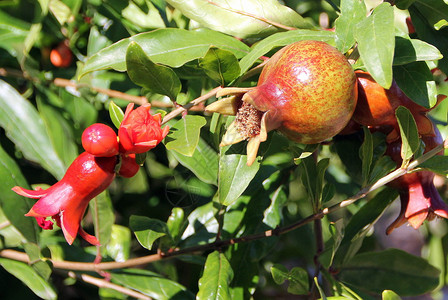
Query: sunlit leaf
[231,17]
[215,280]
[116,114]
[147,230]
[220,65]
[409,133]
[352,12]
[156,78]
[184,135]
[376,41]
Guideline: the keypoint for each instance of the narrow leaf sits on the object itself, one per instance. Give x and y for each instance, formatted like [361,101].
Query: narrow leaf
[282,39]
[116,114]
[26,129]
[352,12]
[391,269]
[184,135]
[225,16]
[151,284]
[220,65]
[156,78]
[376,42]
[408,132]
[216,278]
[103,217]
[366,154]
[29,277]
[147,230]
[14,206]
[170,46]
[390,295]
[234,176]
[410,50]
[437,164]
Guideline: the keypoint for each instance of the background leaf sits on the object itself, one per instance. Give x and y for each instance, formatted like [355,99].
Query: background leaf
[376,40]
[297,277]
[224,16]
[29,277]
[171,46]
[116,114]
[156,78]
[103,217]
[147,230]
[391,269]
[410,50]
[25,128]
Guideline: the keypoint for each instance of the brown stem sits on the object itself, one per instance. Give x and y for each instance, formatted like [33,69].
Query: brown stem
[181,109]
[106,284]
[79,266]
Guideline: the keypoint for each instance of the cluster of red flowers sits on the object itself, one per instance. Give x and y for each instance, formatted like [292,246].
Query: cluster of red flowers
[376,107]
[94,170]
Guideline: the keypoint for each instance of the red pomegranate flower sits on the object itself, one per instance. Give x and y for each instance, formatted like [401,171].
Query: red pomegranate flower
[140,131]
[419,198]
[66,201]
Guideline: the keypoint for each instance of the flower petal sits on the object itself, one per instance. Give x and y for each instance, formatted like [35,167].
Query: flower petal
[89,238]
[35,194]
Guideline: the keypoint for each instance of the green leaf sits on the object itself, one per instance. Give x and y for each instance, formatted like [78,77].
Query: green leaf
[116,114]
[352,12]
[119,245]
[184,135]
[297,277]
[391,269]
[234,176]
[26,129]
[427,33]
[408,132]
[176,223]
[282,39]
[151,284]
[215,280]
[376,42]
[410,50]
[103,217]
[434,11]
[220,65]
[417,82]
[42,268]
[147,230]
[59,130]
[13,33]
[404,4]
[14,206]
[171,46]
[29,277]
[203,163]
[313,176]
[437,164]
[382,167]
[156,78]
[360,224]
[366,154]
[231,17]
[390,295]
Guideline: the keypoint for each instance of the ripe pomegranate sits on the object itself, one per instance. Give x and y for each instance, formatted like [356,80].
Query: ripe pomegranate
[376,107]
[100,140]
[61,56]
[307,91]
[419,198]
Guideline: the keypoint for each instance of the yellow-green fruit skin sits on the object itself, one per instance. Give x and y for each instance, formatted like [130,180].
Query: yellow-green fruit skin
[309,89]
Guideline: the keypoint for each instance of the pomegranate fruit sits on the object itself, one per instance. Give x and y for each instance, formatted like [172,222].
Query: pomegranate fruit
[376,107]
[61,56]
[419,198]
[307,91]
[100,140]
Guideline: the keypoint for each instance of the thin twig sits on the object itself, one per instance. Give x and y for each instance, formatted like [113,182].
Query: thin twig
[106,284]
[270,22]
[182,109]
[79,266]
